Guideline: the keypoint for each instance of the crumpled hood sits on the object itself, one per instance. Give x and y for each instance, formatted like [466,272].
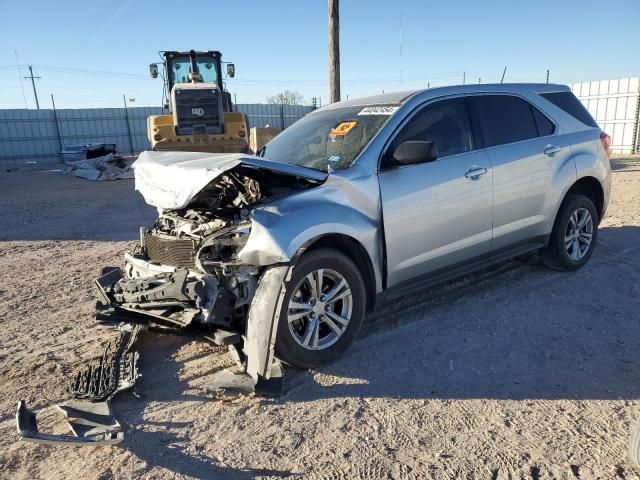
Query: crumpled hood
[170,180]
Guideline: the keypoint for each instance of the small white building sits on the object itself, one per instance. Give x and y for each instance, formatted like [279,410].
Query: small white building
[615,105]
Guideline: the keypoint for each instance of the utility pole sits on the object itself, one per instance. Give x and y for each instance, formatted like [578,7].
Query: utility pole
[55,117]
[334,51]
[35,94]
[126,118]
[547,75]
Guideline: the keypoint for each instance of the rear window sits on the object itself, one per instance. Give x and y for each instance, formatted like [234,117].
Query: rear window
[504,119]
[568,102]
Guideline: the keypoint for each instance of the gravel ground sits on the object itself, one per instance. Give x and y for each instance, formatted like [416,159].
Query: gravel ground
[514,372]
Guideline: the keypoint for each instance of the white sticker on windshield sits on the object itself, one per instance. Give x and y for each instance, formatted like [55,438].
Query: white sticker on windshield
[382,110]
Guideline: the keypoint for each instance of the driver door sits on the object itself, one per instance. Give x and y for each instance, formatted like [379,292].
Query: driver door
[437,214]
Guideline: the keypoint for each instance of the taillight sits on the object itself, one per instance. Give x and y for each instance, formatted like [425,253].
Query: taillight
[606,143]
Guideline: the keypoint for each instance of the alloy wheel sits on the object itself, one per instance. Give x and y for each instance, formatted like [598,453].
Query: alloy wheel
[320,309]
[578,234]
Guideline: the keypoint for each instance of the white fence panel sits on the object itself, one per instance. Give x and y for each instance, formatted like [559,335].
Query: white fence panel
[615,106]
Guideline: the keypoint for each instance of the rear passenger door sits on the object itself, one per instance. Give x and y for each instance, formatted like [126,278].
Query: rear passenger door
[525,150]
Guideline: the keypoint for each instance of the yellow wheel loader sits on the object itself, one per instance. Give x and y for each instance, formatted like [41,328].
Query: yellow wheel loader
[201,115]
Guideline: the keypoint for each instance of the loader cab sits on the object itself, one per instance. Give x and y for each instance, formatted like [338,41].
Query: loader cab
[180,68]
[194,67]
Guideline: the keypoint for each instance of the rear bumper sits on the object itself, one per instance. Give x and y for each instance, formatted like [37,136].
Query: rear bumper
[169,295]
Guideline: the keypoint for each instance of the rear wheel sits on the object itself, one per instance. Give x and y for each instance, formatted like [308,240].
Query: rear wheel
[322,311]
[574,234]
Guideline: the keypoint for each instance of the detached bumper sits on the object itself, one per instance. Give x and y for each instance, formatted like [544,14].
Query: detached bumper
[88,414]
[91,424]
[169,295]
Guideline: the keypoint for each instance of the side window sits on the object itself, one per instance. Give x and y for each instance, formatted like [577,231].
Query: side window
[545,126]
[445,123]
[568,102]
[504,119]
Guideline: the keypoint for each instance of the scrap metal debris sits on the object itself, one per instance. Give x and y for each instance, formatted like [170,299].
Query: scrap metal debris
[89,415]
[96,161]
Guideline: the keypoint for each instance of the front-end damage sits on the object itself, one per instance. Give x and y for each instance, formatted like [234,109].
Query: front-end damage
[187,270]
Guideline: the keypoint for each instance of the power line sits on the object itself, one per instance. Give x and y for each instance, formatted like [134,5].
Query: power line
[242,81]
[80,71]
[24,96]
[33,83]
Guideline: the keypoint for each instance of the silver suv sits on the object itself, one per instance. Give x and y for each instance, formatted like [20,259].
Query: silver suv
[282,253]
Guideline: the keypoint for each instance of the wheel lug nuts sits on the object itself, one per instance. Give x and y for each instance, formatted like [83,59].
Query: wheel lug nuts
[322,298]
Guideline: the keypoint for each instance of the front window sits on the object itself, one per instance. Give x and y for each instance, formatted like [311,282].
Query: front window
[328,139]
[180,66]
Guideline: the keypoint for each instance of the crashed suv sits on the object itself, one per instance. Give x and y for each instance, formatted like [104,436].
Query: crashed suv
[281,254]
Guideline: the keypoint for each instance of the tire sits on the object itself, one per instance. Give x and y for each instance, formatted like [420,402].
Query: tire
[333,336]
[572,256]
[634,443]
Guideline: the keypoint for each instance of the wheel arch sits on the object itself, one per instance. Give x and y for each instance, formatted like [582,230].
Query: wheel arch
[591,188]
[354,250]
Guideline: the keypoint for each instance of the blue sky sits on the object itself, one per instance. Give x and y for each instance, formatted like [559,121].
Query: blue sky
[282,44]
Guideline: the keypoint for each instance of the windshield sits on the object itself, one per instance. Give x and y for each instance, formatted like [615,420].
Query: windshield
[180,66]
[328,139]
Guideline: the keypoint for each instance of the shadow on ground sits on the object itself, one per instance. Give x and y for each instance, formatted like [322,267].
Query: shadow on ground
[518,331]
[167,444]
[626,164]
[51,206]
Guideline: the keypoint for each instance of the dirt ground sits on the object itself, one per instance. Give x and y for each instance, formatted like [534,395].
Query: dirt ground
[514,372]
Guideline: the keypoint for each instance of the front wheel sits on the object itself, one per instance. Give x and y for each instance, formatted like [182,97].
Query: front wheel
[322,310]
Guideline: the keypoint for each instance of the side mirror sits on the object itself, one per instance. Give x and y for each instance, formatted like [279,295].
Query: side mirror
[231,70]
[412,152]
[153,70]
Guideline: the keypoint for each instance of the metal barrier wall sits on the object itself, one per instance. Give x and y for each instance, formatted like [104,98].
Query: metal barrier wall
[36,137]
[615,105]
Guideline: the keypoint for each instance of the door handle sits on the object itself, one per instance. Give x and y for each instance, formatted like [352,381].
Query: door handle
[475,173]
[549,150]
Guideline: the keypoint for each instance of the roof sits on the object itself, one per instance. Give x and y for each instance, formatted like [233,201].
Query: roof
[403,96]
[381,99]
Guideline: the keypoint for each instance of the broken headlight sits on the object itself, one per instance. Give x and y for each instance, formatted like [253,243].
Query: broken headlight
[222,248]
